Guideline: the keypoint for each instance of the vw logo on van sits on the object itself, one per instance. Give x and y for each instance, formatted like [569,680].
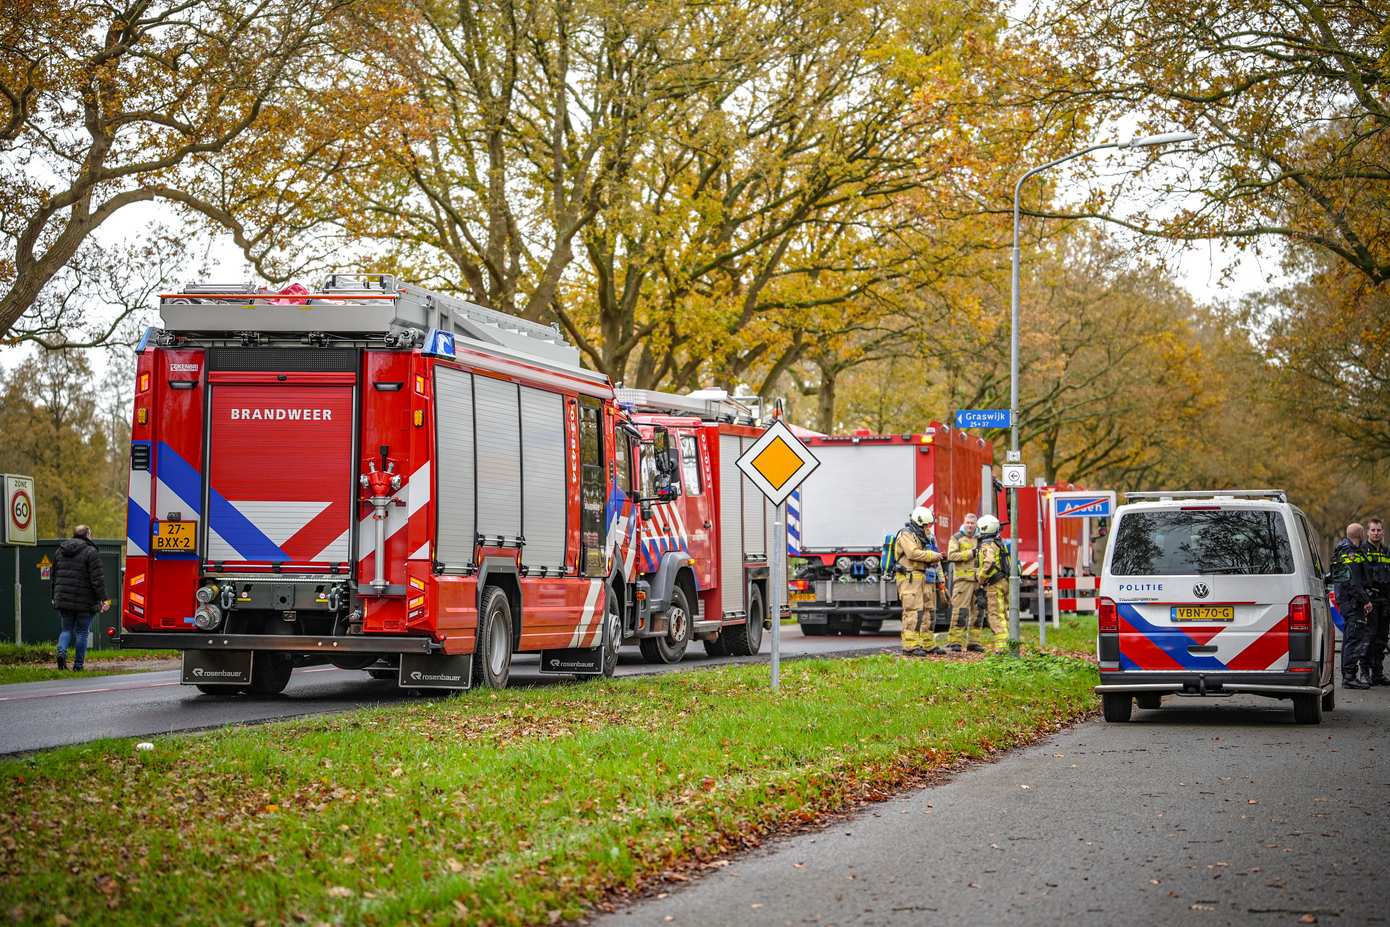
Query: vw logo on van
[1201,591]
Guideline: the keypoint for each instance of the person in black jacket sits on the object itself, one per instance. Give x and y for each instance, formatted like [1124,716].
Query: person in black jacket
[79,589]
[1353,599]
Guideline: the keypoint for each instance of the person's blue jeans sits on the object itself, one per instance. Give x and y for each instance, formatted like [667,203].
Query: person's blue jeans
[78,624]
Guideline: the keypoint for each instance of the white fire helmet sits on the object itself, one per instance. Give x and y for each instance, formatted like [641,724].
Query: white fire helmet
[989,524]
[921,516]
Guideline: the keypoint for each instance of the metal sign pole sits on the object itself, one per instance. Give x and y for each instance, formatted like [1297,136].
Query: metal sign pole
[777,589]
[18,598]
[1043,499]
[1056,563]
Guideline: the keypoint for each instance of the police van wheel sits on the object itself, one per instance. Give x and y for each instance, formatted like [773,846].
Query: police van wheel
[1329,700]
[492,659]
[670,647]
[1116,706]
[1307,709]
[716,646]
[747,639]
[1149,700]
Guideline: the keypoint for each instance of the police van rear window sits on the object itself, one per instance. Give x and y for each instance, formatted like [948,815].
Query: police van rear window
[1185,543]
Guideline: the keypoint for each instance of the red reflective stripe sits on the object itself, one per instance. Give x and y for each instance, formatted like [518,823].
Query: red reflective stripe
[1202,635]
[1142,652]
[1271,645]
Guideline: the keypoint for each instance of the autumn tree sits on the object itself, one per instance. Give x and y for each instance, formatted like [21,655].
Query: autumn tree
[1112,372]
[72,437]
[1290,102]
[106,105]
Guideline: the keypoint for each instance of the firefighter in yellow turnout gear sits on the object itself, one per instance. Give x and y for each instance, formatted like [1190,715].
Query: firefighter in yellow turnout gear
[992,558]
[961,554]
[914,558]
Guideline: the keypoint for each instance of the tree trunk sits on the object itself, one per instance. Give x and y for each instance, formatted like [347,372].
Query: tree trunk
[825,401]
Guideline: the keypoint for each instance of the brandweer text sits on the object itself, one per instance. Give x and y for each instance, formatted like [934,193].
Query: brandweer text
[282,415]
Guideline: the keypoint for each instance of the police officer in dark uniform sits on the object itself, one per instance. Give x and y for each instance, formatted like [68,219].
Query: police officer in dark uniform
[1378,588]
[1354,602]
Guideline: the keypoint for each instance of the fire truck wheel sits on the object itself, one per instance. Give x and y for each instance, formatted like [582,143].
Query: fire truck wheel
[391,674]
[613,635]
[670,648]
[270,672]
[218,690]
[492,659]
[717,646]
[815,630]
[747,639]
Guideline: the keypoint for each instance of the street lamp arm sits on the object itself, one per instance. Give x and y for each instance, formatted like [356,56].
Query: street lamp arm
[1018,187]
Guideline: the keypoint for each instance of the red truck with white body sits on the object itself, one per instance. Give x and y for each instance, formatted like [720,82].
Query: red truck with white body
[377,477]
[864,490]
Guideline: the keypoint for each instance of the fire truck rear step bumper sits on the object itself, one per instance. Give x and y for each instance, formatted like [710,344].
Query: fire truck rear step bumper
[295,643]
[888,611]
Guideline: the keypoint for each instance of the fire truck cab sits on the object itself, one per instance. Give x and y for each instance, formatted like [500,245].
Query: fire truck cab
[377,477]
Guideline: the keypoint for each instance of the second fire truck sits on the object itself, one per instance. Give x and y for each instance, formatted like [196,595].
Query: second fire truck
[703,554]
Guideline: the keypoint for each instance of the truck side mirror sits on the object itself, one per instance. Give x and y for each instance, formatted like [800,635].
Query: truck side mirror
[665,454]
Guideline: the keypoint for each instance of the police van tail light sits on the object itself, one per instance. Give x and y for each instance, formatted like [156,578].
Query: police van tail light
[1300,614]
[1107,616]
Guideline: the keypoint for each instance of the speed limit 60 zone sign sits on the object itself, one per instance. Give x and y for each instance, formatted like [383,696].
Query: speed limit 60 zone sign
[21,525]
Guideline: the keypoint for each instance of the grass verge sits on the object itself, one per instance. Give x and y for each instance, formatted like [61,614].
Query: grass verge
[37,662]
[514,807]
[1076,636]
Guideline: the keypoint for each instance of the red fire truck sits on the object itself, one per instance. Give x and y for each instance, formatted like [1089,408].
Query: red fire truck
[377,477]
[1073,545]
[863,491]
[703,554]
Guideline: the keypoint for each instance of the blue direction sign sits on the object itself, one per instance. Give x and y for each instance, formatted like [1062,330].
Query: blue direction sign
[982,418]
[1084,507]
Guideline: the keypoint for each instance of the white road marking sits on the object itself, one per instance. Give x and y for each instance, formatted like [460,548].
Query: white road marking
[134,687]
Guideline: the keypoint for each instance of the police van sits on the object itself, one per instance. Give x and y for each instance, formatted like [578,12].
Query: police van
[1210,594]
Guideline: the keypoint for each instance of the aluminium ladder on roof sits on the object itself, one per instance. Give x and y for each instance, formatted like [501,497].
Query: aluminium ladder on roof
[358,304]
[739,410]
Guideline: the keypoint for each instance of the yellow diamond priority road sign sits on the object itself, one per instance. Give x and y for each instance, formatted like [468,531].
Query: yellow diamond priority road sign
[777,463]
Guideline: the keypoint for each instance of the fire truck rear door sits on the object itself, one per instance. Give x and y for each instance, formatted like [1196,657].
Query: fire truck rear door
[281,466]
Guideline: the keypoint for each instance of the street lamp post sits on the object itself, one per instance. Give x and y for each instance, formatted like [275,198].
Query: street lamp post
[1145,141]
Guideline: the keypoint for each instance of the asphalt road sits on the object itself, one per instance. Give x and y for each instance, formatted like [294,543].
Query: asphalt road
[38,715]
[1221,812]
